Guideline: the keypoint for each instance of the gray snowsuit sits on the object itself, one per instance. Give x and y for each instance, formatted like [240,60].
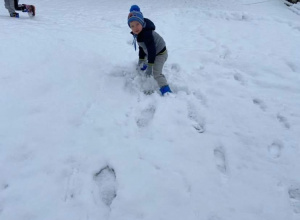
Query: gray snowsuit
[13,5]
[152,45]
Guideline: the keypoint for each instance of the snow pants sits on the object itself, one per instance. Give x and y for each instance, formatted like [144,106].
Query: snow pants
[12,5]
[159,62]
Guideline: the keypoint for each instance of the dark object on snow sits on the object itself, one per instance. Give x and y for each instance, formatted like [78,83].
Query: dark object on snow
[165,89]
[30,9]
[13,5]
[14,15]
[293,1]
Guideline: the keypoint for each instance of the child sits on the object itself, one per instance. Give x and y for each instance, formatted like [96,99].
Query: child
[151,44]
[13,5]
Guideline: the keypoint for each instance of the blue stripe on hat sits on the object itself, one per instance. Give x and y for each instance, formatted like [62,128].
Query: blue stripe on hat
[136,16]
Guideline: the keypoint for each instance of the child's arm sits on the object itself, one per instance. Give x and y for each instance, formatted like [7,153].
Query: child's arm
[149,41]
[142,53]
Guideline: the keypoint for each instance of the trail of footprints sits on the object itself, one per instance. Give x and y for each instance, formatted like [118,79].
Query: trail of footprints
[281,119]
[105,179]
[260,103]
[105,189]
[146,115]
[274,149]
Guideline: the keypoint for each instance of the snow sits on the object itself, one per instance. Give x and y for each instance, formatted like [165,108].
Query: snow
[80,140]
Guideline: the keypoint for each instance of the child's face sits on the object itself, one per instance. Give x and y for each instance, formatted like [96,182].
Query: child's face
[136,27]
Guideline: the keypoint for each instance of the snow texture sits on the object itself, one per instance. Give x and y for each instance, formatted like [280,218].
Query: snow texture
[85,136]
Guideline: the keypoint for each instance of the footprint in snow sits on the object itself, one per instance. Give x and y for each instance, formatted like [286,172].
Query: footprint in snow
[292,66]
[221,163]
[172,68]
[294,195]
[220,159]
[175,67]
[146,116]
[5,186]
[106,181]
[238,77]
[275,149]
[225,52]
[283,120]
[201,97]
[214,217]
[197,120]
[260,103]
[73,185]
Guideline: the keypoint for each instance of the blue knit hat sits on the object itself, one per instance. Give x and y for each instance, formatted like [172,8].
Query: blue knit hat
[136,15]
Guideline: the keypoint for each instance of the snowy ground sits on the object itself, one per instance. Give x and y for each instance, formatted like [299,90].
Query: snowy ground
[80,140]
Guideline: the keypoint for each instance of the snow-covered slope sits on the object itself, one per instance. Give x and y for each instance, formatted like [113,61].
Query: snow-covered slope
[80,140]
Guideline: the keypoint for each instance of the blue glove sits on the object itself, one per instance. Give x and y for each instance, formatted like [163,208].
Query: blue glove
[165,89]
[149,70]
[142,65]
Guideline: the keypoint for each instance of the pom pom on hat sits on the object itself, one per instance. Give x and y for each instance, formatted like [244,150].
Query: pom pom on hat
[136,15]
[134,8]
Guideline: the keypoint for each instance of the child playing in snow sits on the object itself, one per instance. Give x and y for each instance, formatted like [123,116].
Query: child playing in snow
[13,5]
[151,44]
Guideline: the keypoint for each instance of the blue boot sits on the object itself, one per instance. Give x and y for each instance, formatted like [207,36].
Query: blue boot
[165,89]
[14,15]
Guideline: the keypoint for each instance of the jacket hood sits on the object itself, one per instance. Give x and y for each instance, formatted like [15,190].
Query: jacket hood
[149,24]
